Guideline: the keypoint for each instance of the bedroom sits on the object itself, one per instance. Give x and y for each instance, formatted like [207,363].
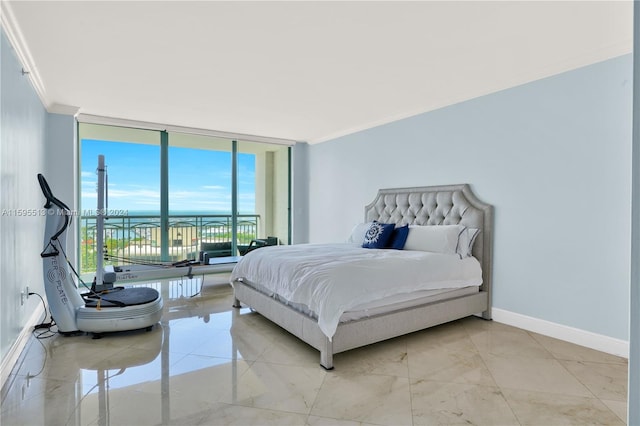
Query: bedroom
[522,149]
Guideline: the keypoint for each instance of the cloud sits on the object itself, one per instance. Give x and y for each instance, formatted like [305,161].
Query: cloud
[135,193]
[247,196]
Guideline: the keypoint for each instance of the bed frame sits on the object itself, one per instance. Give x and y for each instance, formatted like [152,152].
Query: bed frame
[430,205]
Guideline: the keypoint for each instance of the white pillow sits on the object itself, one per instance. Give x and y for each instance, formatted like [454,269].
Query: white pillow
[466,240]
[358,232]
[437,239]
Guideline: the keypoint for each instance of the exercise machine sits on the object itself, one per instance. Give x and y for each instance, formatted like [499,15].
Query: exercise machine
[104,307]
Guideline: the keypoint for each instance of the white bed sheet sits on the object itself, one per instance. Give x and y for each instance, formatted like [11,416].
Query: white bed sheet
[333,278]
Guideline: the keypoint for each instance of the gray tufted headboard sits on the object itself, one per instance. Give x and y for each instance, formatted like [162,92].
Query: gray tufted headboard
[439,205]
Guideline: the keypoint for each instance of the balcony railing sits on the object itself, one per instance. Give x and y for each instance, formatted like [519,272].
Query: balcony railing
[133,239]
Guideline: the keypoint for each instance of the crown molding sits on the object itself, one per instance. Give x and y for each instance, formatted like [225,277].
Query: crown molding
[63,109]
[147,125]
[12,30]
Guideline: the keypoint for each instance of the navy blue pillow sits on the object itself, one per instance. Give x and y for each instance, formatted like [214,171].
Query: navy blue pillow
[399,237]
[378,235]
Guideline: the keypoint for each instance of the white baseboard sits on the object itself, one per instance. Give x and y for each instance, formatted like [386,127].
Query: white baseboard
[595,341]
[12,356]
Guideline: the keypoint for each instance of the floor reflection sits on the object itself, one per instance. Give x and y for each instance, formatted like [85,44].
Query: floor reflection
[208,363]
[82,380]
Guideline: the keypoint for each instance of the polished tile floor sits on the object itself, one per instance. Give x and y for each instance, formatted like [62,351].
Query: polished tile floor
[207,363]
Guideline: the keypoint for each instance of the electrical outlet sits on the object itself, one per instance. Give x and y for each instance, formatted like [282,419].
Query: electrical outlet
[24,295]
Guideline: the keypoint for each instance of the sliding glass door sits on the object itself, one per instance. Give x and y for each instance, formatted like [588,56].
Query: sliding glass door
[200,194]
[172,194]
[132,157]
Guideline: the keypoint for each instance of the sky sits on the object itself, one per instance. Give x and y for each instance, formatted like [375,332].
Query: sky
[199,180]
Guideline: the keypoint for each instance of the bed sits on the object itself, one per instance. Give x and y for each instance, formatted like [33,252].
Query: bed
[389,302]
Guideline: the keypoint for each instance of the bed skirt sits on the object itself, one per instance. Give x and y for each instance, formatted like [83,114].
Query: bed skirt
[365,331]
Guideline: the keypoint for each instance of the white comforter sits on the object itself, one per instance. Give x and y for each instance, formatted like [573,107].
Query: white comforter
[332,278]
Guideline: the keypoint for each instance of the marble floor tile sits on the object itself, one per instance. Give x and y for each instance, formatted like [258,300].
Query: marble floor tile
[618,407]
[194,382]
[29,398]
[386,358]
[226,414]
[438,403]
[452,367]
[544,409]
[572,352]
[57,406]
[508,342]
[378,399]
[452,337]
[324,421]
[206,363]
[534,374]
[605,381]
[288,388]
[285,348]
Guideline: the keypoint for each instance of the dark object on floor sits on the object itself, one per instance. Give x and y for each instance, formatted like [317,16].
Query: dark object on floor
[216,249]
[257,243]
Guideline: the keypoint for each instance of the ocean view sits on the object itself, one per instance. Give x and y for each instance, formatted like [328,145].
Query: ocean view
[151,213]
[137,234]
[188,213]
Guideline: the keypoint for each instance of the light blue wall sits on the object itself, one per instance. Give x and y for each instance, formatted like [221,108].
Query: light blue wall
[553,157]
[32,141]
[22,140]
[633,414]
[61,153]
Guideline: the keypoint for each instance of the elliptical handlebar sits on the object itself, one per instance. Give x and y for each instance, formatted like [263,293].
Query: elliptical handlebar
[52,200]
[46,190]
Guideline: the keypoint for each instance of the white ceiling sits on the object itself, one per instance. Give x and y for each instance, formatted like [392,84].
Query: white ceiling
[306,71]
